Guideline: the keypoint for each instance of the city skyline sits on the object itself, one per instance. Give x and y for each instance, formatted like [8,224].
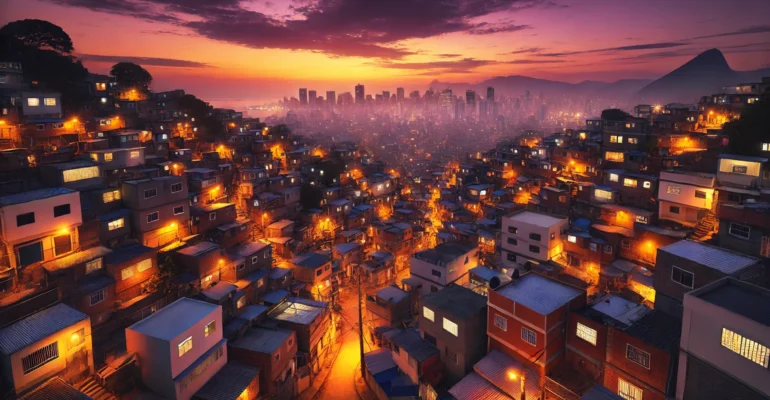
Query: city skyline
[260,51]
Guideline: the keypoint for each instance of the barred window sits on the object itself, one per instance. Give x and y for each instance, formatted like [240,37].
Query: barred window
[638,356]
[586,333]
[628,391]
[746,347]
[97,297]
[40,357]
[529,336]
[79,174]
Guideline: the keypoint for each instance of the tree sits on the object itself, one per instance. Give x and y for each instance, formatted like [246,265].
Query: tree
[44,55]
[210,126]
[747,133]
[310,196]
[614,114]
[128,74]
[39,34]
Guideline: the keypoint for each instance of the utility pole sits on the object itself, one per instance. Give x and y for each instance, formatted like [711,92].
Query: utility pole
[361,325]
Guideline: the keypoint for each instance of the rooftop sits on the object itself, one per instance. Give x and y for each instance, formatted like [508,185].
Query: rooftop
[262,340]
[228,383]
[393,293]
[657,329]
[174,319]
[312,260]
[198,249]
[55,389]
[457,301]
[444,253]
[38,326]
[616,311]
[298,313]
[76,258]
[280,224]
[713,257]
[536,218]
[474,387]
[417,347]
[742,298]
[126,252]
[219,291]
[538,293]
[32,195]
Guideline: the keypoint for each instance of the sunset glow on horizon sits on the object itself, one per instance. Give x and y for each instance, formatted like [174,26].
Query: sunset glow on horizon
[229,51]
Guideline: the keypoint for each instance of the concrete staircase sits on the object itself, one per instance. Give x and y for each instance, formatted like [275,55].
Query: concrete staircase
[94,390]
[705,227]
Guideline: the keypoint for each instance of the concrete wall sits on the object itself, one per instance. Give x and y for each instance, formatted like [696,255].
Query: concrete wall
[45,222]
[702,338]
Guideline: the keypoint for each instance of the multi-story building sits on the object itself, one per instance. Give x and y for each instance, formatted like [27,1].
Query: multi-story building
[527,320]
[55,341]
[273,351]
[312,322]
[685,198]
[315,270]
[37,226]
[159,208]
[745,228]
[454,320]
[686,265]
[389,306]
[436,268]
[179,348]
[531,237]
[725,346]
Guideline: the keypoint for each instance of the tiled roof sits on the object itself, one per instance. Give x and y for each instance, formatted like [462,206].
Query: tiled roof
[38,326]
[713,257]
[379,360]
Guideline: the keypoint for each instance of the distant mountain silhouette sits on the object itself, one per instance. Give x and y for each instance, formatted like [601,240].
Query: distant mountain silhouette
[517,85]
[705,74]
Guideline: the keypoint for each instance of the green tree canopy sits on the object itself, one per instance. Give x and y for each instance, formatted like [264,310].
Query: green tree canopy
[747,133]
[39,34]
[614,114]
[128,74]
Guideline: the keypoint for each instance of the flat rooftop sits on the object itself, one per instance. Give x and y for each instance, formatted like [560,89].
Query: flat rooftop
[262,340]
[742,298]
[538,293]
[198,249]
[174,319]
[456,300]
[536,218]
[444,253]
[716,258]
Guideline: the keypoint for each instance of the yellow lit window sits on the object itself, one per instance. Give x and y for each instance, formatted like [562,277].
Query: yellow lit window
[614,177]
[615,156]
[127,273]
[49,101]
[450,326]
[134,154]
[746,347]
[94,157]
[628,391]
[629,182]
[603,194]
[586,333]
[93,265]
[185,346]
[109,197]
[33,102]
[107,156]
[79,174]
[144,265]
[116,224]
[428,313]
[211,327]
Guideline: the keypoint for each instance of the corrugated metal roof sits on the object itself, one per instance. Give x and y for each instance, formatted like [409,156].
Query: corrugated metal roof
[55,389]
[297,313]
[713,257]
[76,258]
[474,387]
[495,368]
[262,340]
[37,326]
[219,291]
[275,296]
[417,347]
[389,293]
[379,360]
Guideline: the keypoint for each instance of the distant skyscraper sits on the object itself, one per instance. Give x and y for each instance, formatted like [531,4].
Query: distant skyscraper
[445,100]
[483,110]
[400,94]
[331,98]
[302,96]
[491,94]
[386,96]
[470,98]
[311,97]
[360,94]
